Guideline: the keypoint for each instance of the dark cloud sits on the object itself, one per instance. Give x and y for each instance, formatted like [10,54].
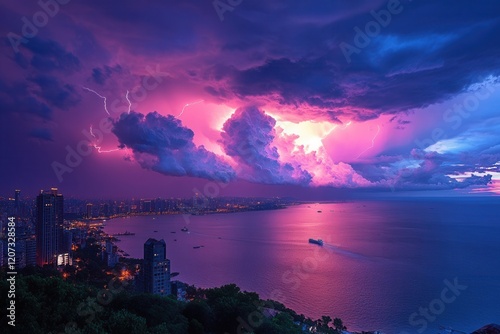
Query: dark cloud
[424,171]
[38,88]
[100,75]
[420,179]
[49,55]
[162,144]
[54,92]
[16,98]
[43,134]
[281,55]
[408,65]
[248,137]
[21,60]
[310,82]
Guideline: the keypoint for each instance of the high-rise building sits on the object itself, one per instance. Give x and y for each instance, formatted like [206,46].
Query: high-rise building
[104,210]
[89,210]
[17,204]
[146,206]
[49,226]
[1,253]
[156,271]
[30,251]
[111,254]
[64,247]
[20,257]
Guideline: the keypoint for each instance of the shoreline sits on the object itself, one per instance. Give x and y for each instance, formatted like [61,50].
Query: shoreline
[168,213]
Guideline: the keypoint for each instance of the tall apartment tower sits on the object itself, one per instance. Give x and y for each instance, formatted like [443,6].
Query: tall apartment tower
[49,226]
[89,210]
[17,205]
[156,269]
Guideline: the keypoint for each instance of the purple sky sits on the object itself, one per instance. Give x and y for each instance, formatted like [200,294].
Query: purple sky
[250,98]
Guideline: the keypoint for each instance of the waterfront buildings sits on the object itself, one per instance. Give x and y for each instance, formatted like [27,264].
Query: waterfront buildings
[49,228]
[156,268]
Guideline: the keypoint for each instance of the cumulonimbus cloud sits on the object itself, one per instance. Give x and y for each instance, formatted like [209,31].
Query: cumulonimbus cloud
[248,137]
[163,144]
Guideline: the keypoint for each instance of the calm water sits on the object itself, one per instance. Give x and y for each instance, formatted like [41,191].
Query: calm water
[381,260]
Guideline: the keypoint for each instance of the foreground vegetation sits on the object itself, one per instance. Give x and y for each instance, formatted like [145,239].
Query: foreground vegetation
[45,303]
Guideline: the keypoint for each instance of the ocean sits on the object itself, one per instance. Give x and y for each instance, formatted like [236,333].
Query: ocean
[399,266]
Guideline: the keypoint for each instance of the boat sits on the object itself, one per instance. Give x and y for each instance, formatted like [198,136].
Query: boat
[319,211]
[316,242]
[125,233]
[184,229]
[172,232]
[196,247]
[155,231]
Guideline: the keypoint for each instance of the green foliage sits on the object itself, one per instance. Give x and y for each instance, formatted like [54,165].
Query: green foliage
[51,305]
[124,322]
[282,323]
[158,311]
[338,324]
[195,327]
[160,329]
[200,311]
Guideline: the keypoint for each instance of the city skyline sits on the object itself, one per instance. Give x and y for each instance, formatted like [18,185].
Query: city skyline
[323,101]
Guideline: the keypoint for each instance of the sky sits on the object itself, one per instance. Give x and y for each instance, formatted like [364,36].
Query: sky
[322,99]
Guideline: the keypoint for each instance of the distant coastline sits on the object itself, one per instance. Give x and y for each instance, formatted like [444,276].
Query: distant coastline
[191,213]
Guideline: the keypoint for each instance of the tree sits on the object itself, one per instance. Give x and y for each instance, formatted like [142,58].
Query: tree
[338,324]
[124,322]
[325,320]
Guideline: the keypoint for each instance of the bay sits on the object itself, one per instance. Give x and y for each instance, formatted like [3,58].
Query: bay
[381,262]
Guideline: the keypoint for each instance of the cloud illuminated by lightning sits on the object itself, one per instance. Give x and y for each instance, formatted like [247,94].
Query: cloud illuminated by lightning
[187,105]
[102,97]
[99,148]
[373,142]
[310,134]
[347,124]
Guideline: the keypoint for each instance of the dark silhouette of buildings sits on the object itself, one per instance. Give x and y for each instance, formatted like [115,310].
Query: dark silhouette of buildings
[89,210]
[16,201]
[156,271]
[49,227]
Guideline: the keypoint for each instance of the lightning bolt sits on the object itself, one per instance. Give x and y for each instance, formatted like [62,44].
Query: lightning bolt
[102,97]
[347,124]
[373,142]
[129,103]
[188,105]
[99,148]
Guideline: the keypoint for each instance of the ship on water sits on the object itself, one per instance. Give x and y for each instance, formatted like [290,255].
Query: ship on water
[125,233]
[316,242]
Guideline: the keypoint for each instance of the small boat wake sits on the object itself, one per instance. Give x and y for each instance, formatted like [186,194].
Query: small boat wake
[344,252]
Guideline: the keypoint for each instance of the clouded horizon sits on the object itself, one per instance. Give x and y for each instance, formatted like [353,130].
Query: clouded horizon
[256,98]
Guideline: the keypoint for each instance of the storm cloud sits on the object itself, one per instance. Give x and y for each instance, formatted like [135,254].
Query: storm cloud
[162,144]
